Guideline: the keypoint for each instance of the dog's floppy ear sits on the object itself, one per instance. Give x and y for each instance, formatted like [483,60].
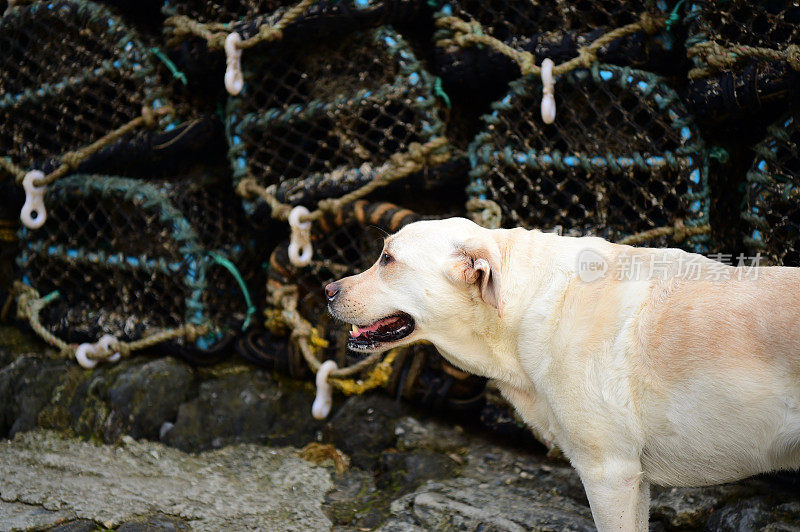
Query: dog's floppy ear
[479,263]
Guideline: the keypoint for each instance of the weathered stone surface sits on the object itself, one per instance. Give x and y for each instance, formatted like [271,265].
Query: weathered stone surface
[246,406]
[78,525]
[684,507]
[404,471]
[239,487]
[144,397]
[161,523]
[411,434]
[363,426]
[20,516]
[741,516]
[469,504]
[26,385]
[355,502]
[76,403]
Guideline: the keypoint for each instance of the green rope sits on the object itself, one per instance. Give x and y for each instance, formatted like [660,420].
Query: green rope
[231,267]
[720,154]
[176,73]
[439,91]
[674,16]
[55,294]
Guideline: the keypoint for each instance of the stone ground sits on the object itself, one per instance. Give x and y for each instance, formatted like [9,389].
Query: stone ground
[153,443]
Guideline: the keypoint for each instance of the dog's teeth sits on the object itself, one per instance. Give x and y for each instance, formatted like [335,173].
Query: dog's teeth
[354,331]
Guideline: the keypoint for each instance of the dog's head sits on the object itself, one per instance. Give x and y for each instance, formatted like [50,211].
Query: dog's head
[432,277]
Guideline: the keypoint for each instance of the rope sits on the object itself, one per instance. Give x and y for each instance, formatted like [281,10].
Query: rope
[10,168]
[678,232]
[674,16]
[470,34]
[308,340]
[30,305]
[215,33]
[173,69]
[377,377]
[231,267]
[719,57]
[438,90]
[400,165]
[72,159]
[8,230]
[485,212]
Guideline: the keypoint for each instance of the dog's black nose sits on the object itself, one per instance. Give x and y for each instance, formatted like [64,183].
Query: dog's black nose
[331,290]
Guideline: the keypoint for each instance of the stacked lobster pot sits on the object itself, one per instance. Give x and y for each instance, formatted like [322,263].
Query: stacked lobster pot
[133,255]
[587,138]
[772,207]
[133,258]
[621,157]
[317,122]
[547,29]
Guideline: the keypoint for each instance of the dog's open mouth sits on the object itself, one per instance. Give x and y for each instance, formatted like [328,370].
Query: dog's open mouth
[386,330]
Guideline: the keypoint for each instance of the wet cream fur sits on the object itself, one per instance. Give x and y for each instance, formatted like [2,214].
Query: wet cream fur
[664,380]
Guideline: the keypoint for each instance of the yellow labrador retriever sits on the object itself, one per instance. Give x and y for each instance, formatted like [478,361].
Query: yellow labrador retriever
[643,365]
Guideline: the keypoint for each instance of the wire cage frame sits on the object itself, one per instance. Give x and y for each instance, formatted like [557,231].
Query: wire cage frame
[771,208]
[623,156]
[132,258]
[71,71]
[318,123]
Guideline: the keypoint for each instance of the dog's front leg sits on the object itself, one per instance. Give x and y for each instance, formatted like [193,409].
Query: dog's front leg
[618,494]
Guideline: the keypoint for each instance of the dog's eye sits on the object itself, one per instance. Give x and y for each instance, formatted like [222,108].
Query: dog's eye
[386,259]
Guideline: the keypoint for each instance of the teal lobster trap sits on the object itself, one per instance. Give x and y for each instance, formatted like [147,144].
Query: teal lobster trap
[622,157]
[132,258]
[70,72]
[554,29]
[772,201]
[318,120]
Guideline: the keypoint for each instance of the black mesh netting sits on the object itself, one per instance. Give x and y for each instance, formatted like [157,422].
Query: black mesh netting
[622,156]
[330,15]
[70,72]
[772,208]
[547,28]
[749,83]
[510,21]
[771,23]
[320,119]
[129,257]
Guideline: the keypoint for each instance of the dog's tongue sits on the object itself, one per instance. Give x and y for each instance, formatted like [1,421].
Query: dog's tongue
[358,331]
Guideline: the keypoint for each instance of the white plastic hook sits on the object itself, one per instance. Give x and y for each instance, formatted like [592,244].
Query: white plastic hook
[324,399]
[234,79]
[300,250]
[88,355]
[548,92]
[82,356]
[33,213]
